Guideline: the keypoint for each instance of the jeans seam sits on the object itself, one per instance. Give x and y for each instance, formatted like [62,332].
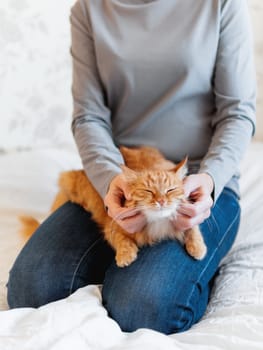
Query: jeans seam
[212,256]
[211,217]
[80,261]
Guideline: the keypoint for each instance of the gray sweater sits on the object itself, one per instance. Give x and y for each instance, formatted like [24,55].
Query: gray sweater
[174,74]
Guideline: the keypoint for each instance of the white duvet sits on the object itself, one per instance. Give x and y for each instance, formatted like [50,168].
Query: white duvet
[234,318]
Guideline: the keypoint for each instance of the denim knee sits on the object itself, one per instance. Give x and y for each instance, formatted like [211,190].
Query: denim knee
[32,285]
[155,306]
[164,288]
[65,253]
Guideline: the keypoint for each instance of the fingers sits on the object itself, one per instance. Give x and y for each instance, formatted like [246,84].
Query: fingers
[191,214]
[198,189]
[133,224]
[184,222]
[195,183]
[200,206]
[130,219]
[124,213]
[113,204]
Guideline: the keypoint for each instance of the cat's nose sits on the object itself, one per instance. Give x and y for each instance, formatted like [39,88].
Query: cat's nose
[161,202]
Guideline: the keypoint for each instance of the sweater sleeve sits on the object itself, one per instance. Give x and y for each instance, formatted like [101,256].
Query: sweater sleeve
[91,124]
[235,94]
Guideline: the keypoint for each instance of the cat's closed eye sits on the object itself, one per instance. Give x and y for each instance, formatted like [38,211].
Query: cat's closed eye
[171,189]
[143,193]
[148,191]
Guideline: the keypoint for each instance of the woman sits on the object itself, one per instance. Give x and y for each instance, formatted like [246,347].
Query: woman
[178,75]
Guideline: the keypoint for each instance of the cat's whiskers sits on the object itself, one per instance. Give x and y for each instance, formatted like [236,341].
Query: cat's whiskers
[119,216]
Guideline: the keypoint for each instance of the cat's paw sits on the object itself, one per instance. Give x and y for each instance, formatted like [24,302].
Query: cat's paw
[126,255]
[196,249]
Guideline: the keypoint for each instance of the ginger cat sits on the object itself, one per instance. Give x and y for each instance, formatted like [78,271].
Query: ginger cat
[156,188]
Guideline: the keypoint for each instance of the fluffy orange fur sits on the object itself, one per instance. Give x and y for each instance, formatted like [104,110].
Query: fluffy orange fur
[156,188]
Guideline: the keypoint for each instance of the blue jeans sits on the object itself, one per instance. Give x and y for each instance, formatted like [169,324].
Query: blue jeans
[164,289]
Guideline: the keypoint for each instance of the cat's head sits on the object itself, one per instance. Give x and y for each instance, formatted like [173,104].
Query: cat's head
[157,193]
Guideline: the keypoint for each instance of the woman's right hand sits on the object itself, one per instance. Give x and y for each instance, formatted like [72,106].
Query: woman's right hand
[131,220]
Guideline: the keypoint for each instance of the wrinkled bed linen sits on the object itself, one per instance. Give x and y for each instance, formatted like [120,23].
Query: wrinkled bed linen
[234,317]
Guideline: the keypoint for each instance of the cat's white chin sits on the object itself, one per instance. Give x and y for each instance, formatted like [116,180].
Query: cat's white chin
[155,214]
[159,225]
[160,229]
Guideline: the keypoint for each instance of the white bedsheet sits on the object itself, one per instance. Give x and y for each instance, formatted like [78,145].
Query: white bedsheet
[234,318]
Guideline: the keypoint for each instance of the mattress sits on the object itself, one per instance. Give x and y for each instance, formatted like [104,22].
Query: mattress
[234,317]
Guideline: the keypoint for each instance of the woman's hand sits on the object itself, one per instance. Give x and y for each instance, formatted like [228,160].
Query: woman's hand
[198,189]
[131,220]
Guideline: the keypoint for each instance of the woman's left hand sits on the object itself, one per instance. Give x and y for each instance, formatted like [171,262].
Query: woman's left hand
[198,189]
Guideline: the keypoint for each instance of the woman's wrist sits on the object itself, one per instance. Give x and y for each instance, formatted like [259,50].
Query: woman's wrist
[209,181]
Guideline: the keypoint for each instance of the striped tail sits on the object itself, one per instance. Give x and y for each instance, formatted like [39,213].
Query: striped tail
[28,225]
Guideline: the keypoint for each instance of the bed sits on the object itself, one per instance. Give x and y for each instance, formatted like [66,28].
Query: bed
[234,318]
[36,145]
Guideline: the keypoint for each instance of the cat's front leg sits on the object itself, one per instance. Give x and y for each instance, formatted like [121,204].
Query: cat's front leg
[126,252]
[125,247]
[194,243]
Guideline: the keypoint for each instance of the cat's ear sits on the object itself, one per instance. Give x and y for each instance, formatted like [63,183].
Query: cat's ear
[181,168]
[129,174]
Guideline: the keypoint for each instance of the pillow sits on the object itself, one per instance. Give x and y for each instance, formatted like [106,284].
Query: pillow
[240,280]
